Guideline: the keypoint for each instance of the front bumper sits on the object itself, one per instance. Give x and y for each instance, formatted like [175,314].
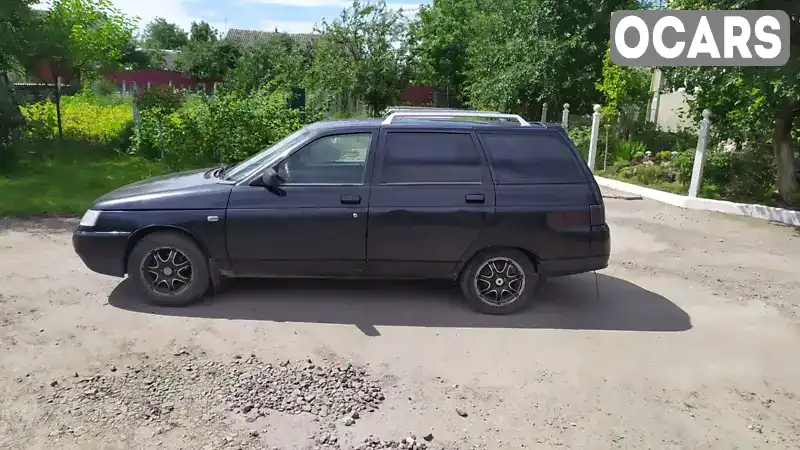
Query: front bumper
[102,251]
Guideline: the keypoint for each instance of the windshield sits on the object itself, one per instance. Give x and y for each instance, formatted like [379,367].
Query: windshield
[246,166]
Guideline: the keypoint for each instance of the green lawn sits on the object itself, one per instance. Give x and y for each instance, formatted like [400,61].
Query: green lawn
[64,177]
[674,187]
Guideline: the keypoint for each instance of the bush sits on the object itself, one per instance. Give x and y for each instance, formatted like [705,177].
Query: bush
[10,122]
[166,98]
[83,118]
[663,155]
[581,136]
[742,176]
[224,128]
[629,150]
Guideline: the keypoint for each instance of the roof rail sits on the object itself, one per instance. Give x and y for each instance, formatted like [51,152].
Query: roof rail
[450,113]
[394,109]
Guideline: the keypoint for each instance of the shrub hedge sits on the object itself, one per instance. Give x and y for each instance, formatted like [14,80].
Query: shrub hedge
[222,128]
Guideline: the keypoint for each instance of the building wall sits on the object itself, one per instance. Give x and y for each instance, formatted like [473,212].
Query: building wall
[669,111]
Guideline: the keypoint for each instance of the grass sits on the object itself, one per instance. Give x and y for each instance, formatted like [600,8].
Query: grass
[64,177]
[674,187]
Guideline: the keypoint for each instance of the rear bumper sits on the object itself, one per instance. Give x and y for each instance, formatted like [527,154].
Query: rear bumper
[599,254]
[102,252]
[572,266]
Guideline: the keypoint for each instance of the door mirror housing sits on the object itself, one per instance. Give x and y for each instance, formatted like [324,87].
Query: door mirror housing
[269,179]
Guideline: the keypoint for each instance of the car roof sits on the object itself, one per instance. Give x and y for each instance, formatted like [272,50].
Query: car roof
[376,123]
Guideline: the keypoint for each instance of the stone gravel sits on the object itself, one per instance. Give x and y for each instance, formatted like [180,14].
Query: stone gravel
[163,394]
[331,392]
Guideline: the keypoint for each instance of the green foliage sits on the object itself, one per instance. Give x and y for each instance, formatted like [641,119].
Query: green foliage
[202,32]
[743,176]
[750,104]
[165,98]
[655,176]
[77,36]
[66,176]
[362,53]
[17,31]
[557,58]
[629,150]
[581,136]
[440,39]
[224,128]
[663,156]
[623,87]
[160,34]
[277,62]
[83,119]
[207,60]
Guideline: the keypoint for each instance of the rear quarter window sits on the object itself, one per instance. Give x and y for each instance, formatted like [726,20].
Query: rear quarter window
[531,158]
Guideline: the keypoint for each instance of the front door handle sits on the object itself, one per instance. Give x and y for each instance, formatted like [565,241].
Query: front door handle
[351,199]
[475,198]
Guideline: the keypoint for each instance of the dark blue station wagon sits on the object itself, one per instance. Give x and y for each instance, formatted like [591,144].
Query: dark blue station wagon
[496,204]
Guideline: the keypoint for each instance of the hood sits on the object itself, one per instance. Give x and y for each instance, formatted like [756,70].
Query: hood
[183,190]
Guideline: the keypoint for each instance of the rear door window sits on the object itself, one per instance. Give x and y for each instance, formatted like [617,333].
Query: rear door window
[427,157]
[520,158]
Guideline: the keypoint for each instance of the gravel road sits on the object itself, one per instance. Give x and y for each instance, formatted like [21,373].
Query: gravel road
[688,340]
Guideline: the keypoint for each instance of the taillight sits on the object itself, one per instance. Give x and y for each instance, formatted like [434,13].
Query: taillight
[597,214]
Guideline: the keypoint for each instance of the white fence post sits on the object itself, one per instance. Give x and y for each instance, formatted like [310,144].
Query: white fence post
[594,137]
[565,116]
[544,112]
[700,155]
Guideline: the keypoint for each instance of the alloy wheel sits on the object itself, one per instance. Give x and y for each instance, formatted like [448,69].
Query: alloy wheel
[499,281]
[167,271]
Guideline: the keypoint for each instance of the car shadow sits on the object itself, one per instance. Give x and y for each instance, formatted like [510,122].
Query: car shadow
[580,302]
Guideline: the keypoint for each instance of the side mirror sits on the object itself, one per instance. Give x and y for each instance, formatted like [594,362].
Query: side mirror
[269,179]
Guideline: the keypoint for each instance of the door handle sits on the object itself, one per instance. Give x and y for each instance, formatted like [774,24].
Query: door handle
[475,198]
[351,199]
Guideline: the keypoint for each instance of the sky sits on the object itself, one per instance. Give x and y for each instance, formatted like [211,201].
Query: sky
[291,16]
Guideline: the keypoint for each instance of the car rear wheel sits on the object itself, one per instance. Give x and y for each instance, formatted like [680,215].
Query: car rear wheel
[499,281]
[169,269]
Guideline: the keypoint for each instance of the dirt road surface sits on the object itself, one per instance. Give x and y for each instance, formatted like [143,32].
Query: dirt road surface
[690,339]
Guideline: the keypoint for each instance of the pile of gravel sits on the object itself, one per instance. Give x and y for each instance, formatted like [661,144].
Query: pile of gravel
[409,443]
[184,391]
[330,392]
[142,395]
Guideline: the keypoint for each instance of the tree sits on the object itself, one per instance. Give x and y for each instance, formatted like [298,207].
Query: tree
[525,52]
[202,32]
[160,34]
[206,57]
[623,87]
[363,53]
[750,104]
[76,37]
[278,61]
[17,26]
[440,39]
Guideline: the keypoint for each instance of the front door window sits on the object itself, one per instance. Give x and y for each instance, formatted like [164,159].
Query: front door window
[337,159]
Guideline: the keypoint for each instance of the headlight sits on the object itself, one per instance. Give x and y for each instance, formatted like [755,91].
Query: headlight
[90,218]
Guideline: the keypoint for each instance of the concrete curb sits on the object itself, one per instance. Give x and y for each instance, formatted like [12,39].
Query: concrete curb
[785,216]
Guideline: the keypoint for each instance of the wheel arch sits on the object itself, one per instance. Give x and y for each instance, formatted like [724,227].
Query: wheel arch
[469,257]
[139,234]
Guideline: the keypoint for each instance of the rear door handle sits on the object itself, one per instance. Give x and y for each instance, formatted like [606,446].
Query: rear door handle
[475,198]
[351,199]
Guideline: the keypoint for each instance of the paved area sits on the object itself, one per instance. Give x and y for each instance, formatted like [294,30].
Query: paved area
[688,340]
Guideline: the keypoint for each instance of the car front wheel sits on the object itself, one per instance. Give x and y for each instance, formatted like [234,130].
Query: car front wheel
[499,281]
[168,269]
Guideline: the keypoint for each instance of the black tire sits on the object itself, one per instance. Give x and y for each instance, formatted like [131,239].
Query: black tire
[177,285]
[472,286]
